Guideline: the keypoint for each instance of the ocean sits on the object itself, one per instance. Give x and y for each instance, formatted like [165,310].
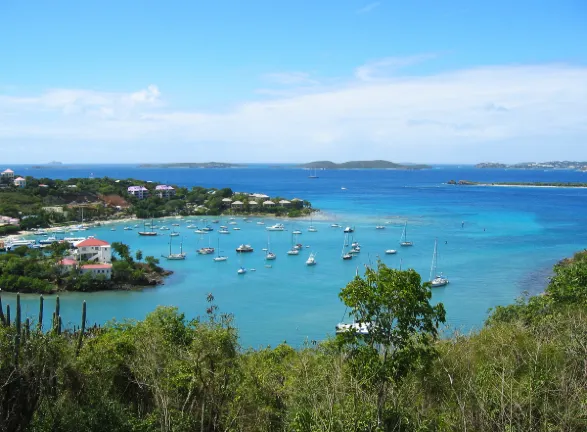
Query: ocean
[494,243]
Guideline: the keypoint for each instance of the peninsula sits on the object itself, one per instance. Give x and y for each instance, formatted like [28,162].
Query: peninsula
[372,164]
[29,202]
[520,184]
[566,165]
[191,165]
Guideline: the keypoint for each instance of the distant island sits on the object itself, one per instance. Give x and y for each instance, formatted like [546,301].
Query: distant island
[568,165]
[191,165]
[520,184]
[374,164]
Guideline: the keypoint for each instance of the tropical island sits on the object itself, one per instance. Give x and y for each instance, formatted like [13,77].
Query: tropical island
[520,184]
[191,165]
[567,165]
[29,202]
[373,164]
[524,370]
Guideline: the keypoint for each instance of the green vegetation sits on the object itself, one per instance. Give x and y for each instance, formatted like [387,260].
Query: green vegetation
[374,164]
[46,202]
[537,165]
[537,184]
[524,371]
[36,271]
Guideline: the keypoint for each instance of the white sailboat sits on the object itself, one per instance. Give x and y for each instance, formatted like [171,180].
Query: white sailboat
[436,280]
[294,250]
[404,240]
[269,256]
[241,270]
[218,257]
[175,256]
[311,228]
[346,255]
[311,261]
[313,176]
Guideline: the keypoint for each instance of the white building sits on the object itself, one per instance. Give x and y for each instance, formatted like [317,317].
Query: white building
[139,192]
[164,191]
[19,182]
[7,175]
[94,250]
[104,270]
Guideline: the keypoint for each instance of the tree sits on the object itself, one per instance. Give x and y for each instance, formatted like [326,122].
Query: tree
[139,255]
[122,250]
[152,262]
[402,326]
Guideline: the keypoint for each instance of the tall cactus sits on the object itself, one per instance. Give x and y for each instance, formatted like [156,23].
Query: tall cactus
[2,317]
[41,301]
[18,329]
[8,315]
[27,331]
[57,306]
[81,330]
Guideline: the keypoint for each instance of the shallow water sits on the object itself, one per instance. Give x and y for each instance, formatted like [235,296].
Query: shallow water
[510,239]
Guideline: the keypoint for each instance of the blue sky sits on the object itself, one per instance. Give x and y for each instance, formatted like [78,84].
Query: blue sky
[289,81]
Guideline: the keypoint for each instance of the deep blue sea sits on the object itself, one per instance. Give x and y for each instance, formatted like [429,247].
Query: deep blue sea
[510,239]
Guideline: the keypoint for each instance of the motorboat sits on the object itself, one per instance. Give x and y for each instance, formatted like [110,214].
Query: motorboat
[199,231]
[270,256]
[48,240]
[220,258]
[276,227]
[296,232]
[360,328]
[191,226]
[173,234]
[311,261]
[244,248]
[380,227]
[232,222]
[260,223]
[241,271]
[223,231]
[312,229]
[175,224]
[17,243]
[293,252]
[206,250]
[236,228]
[390,252]
[215,221]
[208,228]
[347,256]
[127,228]
[349,230]
[164,228]
[335,225]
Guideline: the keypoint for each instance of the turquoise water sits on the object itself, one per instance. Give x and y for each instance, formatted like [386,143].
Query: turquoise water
[510,240]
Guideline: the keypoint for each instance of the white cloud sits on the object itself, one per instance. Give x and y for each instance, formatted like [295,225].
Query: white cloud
[368,8]
[290,78]
[501,112]
[383,68]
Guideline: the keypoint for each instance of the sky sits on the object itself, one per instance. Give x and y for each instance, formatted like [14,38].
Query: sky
[293,81]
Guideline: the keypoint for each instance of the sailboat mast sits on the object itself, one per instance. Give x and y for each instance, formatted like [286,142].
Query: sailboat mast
[433,266]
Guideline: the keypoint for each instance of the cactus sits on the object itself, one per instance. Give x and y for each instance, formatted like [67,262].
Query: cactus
[54,322]
[41,301]
[27,330]
[59,322]
[8,315]
[17,335]
[81,330]
[2,317]
[57,305]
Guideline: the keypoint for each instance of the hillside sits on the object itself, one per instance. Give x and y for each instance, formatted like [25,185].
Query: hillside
[373,164]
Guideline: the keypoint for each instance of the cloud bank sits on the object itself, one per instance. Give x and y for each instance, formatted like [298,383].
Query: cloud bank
[507,113]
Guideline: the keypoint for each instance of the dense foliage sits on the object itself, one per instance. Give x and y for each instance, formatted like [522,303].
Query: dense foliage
[521,372]
[44,202]
[37,271]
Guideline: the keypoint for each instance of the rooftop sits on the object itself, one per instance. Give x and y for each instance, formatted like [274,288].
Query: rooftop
[96,266]
[19,178]
[92,242]
[7,171]
[68,262]
[163,187]
[136,188]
